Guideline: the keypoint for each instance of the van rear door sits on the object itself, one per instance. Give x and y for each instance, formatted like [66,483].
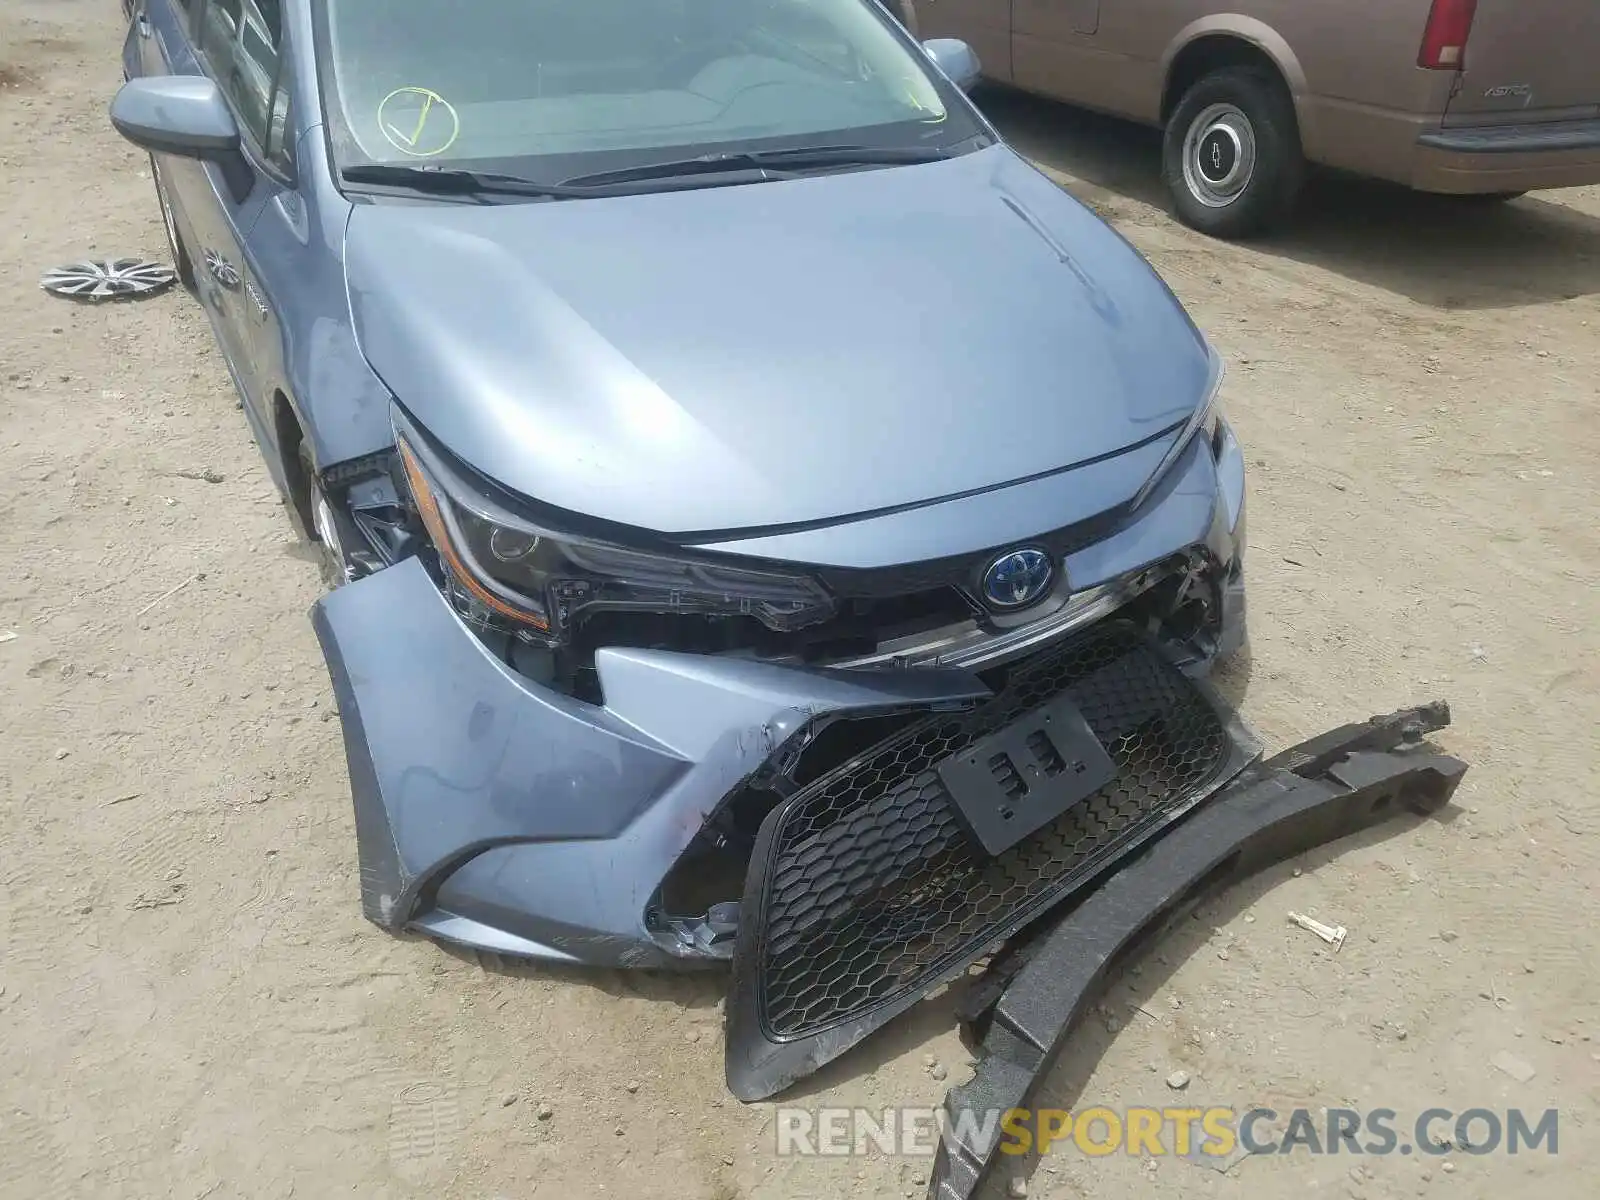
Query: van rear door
[1529,61]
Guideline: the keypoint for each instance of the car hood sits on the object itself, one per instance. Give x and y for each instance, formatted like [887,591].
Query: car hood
[774,354]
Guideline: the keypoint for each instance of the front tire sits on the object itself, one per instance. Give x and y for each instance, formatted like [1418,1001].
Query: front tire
[320,526]
[1231,154]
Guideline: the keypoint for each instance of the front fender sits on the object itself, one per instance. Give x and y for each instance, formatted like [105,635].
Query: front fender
[342,408]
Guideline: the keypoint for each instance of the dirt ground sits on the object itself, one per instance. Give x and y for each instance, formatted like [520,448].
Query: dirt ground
[192,1006]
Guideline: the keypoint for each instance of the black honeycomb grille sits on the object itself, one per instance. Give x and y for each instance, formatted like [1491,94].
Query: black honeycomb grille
[874,886]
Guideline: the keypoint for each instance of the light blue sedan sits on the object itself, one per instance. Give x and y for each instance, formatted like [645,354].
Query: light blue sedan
[768,520]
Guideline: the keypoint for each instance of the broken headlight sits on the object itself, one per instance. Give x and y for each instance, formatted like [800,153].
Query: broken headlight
[532,576]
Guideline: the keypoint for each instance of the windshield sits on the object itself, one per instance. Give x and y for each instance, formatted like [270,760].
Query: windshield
[553,88]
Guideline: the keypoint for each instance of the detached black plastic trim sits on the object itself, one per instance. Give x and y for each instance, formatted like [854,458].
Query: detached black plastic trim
[1326,788]
[1516,139]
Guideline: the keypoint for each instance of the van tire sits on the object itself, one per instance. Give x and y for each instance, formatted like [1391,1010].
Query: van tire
[1231,154]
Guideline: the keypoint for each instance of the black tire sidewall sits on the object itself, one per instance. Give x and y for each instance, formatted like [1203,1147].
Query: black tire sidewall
[327,558]
[1268,198]
[182,264]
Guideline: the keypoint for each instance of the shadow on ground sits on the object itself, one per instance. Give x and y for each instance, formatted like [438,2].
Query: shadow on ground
[694,990]
[1443,251]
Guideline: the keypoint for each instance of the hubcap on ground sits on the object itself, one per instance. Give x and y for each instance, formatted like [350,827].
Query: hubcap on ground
[1219,155]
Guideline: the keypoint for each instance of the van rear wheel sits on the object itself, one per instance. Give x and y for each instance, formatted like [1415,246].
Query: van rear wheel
[1231,154]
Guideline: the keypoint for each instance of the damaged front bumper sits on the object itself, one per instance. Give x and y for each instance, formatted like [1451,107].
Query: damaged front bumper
[1035,992]
[696,808]
[509,818]
[850,839]
[615,829]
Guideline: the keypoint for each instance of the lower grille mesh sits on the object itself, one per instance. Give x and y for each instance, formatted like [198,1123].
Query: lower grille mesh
[875,886]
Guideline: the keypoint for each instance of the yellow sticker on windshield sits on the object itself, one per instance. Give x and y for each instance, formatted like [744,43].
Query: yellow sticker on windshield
[418,122]
[914,90]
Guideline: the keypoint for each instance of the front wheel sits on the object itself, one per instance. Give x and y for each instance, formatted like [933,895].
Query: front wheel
[323,529]
[1231,154]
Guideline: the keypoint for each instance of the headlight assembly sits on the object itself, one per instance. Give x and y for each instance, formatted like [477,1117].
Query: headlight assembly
[1204,418]
[544,581]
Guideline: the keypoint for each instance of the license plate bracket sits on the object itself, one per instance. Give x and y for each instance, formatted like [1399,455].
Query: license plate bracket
[1021,778]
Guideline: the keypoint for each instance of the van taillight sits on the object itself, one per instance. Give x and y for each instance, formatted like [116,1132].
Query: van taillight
[1444,42]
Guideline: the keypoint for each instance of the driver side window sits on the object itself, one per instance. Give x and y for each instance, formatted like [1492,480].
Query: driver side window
[240,40]
[219,25]
[280,123]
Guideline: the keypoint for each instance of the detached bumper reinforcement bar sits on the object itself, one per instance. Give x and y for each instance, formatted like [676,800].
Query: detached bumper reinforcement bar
[1336,784]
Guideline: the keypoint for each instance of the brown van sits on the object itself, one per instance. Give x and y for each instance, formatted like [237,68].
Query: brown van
[1488,98]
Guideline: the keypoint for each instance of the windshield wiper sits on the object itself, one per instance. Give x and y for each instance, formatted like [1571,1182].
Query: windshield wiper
[800,158]
[444,182]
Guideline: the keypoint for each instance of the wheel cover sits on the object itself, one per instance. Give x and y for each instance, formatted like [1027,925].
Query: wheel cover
[115,279]
[1219,155]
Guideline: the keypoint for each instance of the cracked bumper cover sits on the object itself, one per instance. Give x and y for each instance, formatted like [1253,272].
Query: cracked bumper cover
[1336,784]
[505,816]
[501,815]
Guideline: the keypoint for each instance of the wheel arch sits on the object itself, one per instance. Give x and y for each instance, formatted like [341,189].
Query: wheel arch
[1232,39]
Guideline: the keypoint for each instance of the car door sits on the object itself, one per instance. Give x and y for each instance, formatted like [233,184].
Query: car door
[160,42]
[235,42]
[1098,53]
[240,48]
[273,249]
[159,36]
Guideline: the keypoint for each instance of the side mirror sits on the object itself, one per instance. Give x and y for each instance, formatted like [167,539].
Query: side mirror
[956,59]
[176,114]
